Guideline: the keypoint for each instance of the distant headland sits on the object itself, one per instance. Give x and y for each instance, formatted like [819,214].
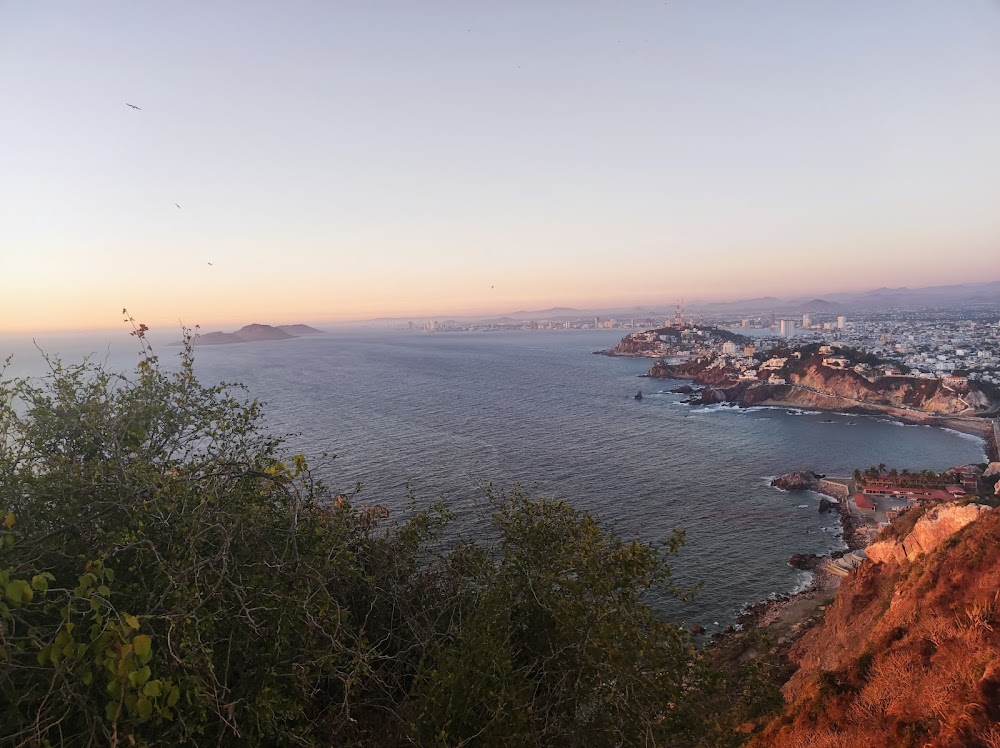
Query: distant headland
[254,333]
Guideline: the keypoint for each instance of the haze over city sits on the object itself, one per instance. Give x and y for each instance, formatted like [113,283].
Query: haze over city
[231,163]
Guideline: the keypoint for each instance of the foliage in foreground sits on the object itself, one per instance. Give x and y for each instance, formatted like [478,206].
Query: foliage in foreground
[166,579]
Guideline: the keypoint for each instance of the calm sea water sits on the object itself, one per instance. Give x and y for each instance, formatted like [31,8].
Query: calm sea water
[445,411]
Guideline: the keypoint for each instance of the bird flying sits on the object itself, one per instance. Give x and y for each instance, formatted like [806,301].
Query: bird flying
[178,206]
[133,106]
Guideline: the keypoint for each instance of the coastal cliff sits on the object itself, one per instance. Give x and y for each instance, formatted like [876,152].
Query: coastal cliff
[811,384]
[908,654]
[930,529]
[816,381]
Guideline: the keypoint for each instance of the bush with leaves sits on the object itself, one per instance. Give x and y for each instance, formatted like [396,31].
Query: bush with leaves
[167,578]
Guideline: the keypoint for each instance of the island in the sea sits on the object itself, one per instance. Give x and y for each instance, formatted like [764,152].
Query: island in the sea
[254,333]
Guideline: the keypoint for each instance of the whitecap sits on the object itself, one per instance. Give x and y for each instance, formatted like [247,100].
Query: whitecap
[803,584]
[963,435]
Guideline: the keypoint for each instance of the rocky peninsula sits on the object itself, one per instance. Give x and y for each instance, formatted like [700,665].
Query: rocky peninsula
[683,341]
[821,381]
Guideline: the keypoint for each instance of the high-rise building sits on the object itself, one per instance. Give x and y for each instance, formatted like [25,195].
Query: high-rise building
[785,327]
[841,321]
[729,348]
[805,320]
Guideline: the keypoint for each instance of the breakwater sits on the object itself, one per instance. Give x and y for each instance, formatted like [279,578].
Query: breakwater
[833,489]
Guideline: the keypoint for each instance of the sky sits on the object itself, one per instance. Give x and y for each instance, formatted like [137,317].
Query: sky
[349,160]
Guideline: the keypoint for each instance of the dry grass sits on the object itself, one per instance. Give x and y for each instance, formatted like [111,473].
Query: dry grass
[991,737]
[912,645]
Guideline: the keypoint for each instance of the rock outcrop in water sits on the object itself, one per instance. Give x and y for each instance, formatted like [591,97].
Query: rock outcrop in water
[805,561]
[800,480]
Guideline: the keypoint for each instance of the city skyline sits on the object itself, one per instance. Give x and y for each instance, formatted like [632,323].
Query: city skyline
[229,164]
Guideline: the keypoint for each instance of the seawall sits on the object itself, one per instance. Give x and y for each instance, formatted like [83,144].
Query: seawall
[833,489]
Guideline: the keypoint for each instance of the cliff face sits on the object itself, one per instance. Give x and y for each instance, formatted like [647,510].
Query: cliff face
[694,370]
[813,385]
[931,529]
[928,395]
[909,652]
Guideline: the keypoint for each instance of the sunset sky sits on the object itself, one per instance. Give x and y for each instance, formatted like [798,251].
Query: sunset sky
[345,160]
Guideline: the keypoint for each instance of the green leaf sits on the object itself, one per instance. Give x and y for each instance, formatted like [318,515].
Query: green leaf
[152,688]
[137,677]
[104,591]
[142,646]
[144,707]
[40,583]
[132,622]
[18,591]
[174,696]
[87,677]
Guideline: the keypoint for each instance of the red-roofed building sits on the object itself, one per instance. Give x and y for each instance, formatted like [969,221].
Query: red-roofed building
[863,502]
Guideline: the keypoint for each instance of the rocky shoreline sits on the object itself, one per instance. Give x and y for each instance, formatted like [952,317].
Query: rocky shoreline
[808,383]
[793,611]
[749,395]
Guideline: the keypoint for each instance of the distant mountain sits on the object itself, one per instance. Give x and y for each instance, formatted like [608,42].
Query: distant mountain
[959,294]
[217,338]
[254,333]
[821,305]
[760,304]
[295,330]
[262,332]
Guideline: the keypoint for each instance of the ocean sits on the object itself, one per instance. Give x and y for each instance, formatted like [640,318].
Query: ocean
[444,412]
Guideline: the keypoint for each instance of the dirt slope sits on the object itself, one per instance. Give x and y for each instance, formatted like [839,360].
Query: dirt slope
[908,654]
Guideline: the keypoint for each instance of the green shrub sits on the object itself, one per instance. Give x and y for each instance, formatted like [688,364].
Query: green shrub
[168,578]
